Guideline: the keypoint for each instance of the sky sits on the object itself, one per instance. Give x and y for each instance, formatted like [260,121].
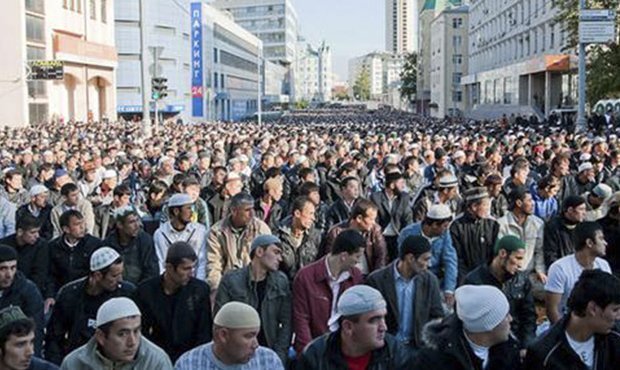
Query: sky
[350,27]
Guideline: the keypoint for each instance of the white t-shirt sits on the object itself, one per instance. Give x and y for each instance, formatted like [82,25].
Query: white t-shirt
[564,273]
[584,350]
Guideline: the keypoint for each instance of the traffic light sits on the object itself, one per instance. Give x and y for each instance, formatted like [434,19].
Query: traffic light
[159,88]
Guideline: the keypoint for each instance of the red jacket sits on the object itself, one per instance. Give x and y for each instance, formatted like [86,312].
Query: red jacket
[312,301]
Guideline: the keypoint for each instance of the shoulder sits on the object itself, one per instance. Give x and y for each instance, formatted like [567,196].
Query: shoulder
[191,357]
[153,354]
[39,364]
[377,275]
[266,356]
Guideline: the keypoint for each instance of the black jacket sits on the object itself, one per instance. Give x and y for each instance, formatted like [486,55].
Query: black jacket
[139,259]
[179,322]
[257,178]
[338,212]
[324,353]
[447,349]
[24,294]
[557,241]
[473,240]
[518,291]
[44,219]
[426,302]
[552,351]
[68,264]
[400,214]
[73,317]
[276,214]
[611,229]
[294,258]
[32,260]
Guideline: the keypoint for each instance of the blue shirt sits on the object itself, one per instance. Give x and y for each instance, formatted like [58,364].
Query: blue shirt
[405,293]
[202,358]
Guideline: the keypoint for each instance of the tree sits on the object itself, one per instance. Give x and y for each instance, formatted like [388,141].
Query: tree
[302,104]
[603,79]
[409,77]
[361,88]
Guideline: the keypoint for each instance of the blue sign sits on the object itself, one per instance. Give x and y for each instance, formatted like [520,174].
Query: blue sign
[197,65]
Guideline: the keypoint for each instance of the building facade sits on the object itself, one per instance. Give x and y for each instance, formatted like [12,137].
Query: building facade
[384,71]
[449,61]
[428,10]
[79,33]
[401,25]
[167,33]
[226,65]
[516,59]
[314,74]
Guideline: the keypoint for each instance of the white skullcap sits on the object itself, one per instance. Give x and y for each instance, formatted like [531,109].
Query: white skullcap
[237,315]
[115,309]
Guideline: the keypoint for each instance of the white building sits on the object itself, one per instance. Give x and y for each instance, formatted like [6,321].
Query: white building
[79,33]
[314,74]
[516,59]
[384,71]
[167,27]
[225,75]
[401,26]
[449,61]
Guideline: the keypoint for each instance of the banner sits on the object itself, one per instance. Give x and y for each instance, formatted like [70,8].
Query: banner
[197,63]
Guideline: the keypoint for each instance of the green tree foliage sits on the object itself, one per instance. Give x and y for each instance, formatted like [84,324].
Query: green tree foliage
[409,77]
[361,88]
[603,78]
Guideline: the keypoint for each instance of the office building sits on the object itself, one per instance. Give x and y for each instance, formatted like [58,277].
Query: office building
[313,73]
[78,33]
[401,26]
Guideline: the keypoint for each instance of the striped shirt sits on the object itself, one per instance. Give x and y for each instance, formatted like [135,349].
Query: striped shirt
[202,358]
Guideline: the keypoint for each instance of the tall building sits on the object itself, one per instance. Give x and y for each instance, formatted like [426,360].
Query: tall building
[449,61]
[428,10]
[401,26]
[516,61]
[274,22]
[78,33]
[313,73]
[167,32]
[384,73]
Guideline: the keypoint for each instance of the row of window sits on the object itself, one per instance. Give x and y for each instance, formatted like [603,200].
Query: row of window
[76,6]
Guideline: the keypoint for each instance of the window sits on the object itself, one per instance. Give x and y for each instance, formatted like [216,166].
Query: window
[456,78]
[104,10]
[222,79]
[35,29]
[37,6]
[92,9]
[38,113]
[215,58]
[457,59]
[215,84]
[457,22]
[457,41]
[457,96]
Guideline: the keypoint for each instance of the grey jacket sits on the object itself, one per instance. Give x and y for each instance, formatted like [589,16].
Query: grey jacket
[88,357]
[275,310]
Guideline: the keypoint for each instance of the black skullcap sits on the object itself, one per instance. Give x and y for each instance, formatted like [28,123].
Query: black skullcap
[572,201]
[7,253]
[415,244]
[180,250]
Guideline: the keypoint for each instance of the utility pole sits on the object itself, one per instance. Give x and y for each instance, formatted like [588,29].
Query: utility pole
[260,88]
[146,110]
[155,73]
[581,112]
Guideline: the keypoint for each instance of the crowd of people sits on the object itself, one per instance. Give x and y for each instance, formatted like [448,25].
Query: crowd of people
[330,239]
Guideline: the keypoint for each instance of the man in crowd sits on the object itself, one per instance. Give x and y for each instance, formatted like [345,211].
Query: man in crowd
[590,247]
[411,291]
[180,227]
[300,240]
[361,340]
[176,311]
[134,245]
[104,214]
[443,261]
[559,231]
[17,342]
[13,188]
[229,240]
[474,233]
[504,273]
[587,337]
[117,342]
[340,210]
[38,208]
[267,207]
[476,337]
[33,252]
[72,200]
[263,287]
[18,291]
[235,343]
[317,287]
[393,210]
[362,219]
[521,222]
[73,317]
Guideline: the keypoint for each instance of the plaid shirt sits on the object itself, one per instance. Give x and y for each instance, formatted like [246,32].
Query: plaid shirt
[202,358]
